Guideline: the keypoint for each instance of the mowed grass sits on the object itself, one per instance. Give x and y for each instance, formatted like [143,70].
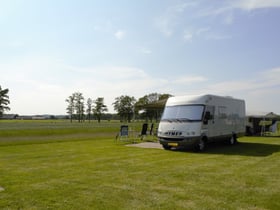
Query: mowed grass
[43,131]
[84,168]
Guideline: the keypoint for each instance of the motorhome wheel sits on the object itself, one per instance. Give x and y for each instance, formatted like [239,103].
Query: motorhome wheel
[201,145]
[232,140]
[166,147]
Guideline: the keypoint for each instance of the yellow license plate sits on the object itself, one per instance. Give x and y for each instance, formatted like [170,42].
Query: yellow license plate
[173,144]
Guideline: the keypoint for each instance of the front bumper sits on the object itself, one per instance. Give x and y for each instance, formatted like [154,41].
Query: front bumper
[179,142]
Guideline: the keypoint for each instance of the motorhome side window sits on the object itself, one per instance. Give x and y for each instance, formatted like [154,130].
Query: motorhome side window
[222,112]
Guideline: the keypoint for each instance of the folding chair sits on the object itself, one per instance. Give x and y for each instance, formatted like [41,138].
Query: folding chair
[123,134]
[153,132]
[144,130]
[152,129]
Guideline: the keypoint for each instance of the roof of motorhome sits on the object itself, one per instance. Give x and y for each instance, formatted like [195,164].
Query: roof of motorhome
[194,99]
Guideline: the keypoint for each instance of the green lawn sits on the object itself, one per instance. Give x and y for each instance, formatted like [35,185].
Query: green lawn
[82,167]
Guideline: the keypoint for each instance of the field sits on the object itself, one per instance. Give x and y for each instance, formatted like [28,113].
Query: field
[59,165]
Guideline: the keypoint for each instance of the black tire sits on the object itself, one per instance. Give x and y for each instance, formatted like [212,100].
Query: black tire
[166,147]
[201,145]
[233,140]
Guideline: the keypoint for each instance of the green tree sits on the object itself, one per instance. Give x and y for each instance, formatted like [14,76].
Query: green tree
[99,108]
[76,106]
[71,106]
[124,105]
[152,105]
[4,101]
[79,106]
[164,96]
[89,108]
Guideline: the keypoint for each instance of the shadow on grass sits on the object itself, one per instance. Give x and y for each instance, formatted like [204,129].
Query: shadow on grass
[257,149]
[243,148]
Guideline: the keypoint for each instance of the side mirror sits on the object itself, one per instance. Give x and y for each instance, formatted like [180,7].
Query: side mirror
[207,117]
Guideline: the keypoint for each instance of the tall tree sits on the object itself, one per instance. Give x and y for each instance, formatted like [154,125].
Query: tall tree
[124,105]
[99,108]
[79,106]
[152,105]
[71,106]
[164,96]
[4,100]
[89,108]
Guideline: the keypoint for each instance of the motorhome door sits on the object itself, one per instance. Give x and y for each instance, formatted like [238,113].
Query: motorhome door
[208,123]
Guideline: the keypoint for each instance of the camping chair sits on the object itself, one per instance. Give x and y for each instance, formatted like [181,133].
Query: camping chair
[153,132]
[123,133]
[152,129]
[144,130]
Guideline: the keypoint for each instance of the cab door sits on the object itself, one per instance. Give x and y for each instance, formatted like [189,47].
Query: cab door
[208,124]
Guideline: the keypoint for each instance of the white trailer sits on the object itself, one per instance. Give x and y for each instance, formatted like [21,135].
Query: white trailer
[193,121]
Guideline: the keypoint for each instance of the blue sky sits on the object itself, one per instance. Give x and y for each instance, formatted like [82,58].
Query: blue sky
[50,49]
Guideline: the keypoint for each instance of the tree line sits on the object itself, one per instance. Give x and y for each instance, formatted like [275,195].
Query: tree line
[127,107]
[148,107]
[77,109]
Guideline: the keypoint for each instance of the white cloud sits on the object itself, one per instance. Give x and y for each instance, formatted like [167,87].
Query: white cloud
[181,7]
[167,22]
[260,92]
[120,34]
[177,16]
[164,25]
[213,11]
[146,51]
[188,80]
[40,85]
[202,30]
[188,36]
[255,4]
[217,36]
[229,18]
[264,80]
[205,33]
[225,11]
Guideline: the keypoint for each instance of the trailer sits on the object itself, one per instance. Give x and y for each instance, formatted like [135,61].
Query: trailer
[195,120]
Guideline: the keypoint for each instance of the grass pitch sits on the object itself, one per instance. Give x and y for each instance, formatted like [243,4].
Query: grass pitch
[58,165]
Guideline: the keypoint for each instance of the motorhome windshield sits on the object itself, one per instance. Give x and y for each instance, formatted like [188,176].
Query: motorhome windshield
[183,113]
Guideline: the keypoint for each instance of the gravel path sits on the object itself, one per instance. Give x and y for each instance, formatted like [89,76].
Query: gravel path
[154,145]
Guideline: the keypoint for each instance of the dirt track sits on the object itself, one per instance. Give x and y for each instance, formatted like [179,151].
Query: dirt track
[154,145]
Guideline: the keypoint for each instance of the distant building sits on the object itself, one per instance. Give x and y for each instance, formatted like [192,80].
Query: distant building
[9,116]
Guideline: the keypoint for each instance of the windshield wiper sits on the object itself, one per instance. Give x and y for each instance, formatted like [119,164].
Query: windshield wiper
[169,120]
[178,120]
[185,119]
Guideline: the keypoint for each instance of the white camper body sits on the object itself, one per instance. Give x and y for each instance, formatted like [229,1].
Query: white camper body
[196,120]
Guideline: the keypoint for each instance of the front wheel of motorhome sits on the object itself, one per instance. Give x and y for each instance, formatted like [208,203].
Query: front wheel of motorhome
[200,146]
[166,147]
[233,139]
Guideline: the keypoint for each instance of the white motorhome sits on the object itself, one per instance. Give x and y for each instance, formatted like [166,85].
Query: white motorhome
[193,121]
